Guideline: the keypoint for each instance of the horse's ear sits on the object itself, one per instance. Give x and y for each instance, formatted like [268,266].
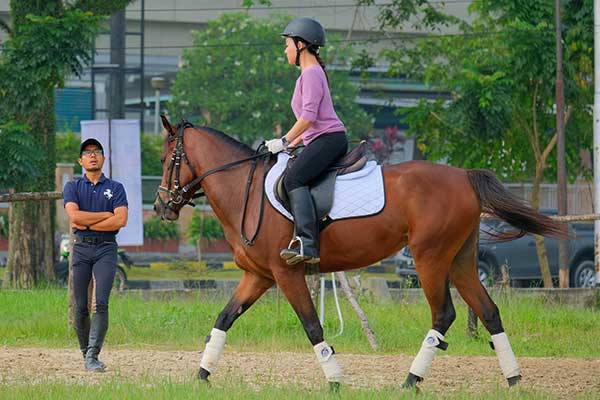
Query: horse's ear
[167,125]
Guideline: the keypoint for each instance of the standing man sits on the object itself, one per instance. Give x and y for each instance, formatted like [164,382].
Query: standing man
[97,208]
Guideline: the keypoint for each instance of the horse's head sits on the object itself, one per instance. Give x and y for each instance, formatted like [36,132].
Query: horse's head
[174,191]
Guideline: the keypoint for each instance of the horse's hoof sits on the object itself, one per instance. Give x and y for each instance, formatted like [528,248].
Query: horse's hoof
[334,387]
[203,376]
[513,380]
[411,382]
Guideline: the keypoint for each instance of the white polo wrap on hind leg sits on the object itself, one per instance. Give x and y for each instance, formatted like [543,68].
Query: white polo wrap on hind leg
[330,366]
[506,357]
[213,349]
[422,361]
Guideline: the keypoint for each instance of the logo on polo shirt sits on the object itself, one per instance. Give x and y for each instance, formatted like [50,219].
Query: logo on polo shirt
[108,194]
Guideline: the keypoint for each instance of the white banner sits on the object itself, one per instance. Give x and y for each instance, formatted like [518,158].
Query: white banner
[124,164]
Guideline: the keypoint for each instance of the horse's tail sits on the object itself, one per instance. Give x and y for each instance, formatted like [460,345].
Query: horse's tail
[496,200]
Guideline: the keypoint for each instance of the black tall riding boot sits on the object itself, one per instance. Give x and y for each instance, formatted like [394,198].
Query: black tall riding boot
[307,229]
[98,329]
[82,329]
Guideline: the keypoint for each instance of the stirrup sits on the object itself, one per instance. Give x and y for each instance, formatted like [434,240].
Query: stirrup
[293,256]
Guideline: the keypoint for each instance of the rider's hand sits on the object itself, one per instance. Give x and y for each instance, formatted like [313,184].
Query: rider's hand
[275,145]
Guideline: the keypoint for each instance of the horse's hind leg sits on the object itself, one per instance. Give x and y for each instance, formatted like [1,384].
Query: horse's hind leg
[464,277]
[431,273]
[250,288]
[293,285]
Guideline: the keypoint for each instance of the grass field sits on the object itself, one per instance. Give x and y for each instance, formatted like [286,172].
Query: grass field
[536,329]
[146,388]
[37,319]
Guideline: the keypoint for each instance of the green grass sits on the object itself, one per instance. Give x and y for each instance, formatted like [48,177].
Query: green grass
[537,329]
[122,388]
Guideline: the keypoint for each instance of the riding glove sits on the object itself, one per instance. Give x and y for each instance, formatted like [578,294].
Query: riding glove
[275,145]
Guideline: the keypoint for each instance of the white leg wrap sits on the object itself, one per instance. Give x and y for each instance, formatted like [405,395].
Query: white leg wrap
[329,364]
[506,357]
[422,361]
[213,349]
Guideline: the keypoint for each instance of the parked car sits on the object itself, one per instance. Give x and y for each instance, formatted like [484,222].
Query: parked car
[520,256]
[61,269]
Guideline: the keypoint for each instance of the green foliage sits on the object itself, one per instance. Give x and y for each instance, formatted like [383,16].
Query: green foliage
[152,148]
[67,149]
[155,228]
[18,155]
[499,72]
[4,224]
[204,226]
[236,79]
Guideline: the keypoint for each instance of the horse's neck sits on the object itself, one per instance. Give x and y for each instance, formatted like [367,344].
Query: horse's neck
[224,189]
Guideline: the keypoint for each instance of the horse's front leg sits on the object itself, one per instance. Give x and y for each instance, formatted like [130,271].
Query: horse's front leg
[293,285]
[250,288]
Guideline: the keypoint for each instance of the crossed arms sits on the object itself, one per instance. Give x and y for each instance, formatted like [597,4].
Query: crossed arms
[97,221]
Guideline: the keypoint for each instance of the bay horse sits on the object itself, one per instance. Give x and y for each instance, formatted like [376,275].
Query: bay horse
[433,208]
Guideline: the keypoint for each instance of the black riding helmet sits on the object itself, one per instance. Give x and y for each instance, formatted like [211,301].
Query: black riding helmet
[309,31]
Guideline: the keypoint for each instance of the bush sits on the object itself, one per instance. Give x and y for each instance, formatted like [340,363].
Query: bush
[204,226]
[4,224]
[155,228]
[67,151]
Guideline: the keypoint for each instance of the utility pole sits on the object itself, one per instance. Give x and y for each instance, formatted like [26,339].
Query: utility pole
[116,99]
[563,245]
[596,155]
[117,58]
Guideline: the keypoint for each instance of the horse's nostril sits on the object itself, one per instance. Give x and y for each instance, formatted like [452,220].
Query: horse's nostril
[155,208]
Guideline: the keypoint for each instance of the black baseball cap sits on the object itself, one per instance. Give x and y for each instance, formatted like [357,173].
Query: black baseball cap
[87,142]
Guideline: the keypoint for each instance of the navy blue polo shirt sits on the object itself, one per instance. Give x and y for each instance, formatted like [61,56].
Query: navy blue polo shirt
[106,195]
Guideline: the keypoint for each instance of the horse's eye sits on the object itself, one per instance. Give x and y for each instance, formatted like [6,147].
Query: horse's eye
[162,160]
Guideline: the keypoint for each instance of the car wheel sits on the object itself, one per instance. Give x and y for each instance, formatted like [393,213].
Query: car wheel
[485,273]
[585,274]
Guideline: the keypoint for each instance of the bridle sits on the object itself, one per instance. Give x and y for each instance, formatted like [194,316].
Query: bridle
[181,196]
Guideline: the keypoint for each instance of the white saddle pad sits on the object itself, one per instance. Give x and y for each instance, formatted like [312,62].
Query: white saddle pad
[357,194]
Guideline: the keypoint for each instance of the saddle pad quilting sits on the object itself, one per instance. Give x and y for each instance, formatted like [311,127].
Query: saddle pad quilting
[357,194]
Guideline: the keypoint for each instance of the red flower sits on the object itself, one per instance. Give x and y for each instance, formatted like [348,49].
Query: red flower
[377,145]
[391,133]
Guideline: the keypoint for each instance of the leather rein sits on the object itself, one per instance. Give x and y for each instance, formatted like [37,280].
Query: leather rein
[178,196]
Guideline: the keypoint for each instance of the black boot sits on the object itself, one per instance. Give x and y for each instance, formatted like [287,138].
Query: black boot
[98,330]
[307,229]
[82,329]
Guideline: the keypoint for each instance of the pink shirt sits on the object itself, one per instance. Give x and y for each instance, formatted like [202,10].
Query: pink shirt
[312,101]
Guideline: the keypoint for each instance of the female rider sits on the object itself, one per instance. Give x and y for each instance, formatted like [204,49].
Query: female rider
[317,126]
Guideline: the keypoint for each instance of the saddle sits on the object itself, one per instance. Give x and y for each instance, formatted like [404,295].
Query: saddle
[323,188]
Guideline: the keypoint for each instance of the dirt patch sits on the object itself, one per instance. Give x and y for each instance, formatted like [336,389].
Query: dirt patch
[560,377]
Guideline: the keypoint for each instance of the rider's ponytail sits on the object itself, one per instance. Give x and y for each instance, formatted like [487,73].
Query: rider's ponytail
[315,52]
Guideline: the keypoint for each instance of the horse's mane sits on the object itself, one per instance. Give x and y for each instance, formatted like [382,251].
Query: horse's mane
[235,144]
[242,147]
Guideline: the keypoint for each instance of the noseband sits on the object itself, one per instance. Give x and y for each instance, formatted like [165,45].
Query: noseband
[178,196]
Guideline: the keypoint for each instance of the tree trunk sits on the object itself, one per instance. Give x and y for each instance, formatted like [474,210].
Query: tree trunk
[540,246]
[30,245]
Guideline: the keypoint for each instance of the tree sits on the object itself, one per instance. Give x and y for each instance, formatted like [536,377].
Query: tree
[236,79]
[499,75]
[48,40]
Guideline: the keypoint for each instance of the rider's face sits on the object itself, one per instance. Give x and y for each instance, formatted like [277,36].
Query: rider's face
[290,50]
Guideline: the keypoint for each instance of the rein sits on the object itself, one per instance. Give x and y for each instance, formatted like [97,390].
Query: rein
[177,195]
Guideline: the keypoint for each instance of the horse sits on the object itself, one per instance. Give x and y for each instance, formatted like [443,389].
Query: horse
[433,208]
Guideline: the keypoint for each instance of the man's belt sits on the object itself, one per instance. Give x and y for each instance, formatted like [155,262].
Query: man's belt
[95,239]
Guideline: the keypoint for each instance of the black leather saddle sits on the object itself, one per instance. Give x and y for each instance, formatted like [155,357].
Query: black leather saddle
[323,188]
